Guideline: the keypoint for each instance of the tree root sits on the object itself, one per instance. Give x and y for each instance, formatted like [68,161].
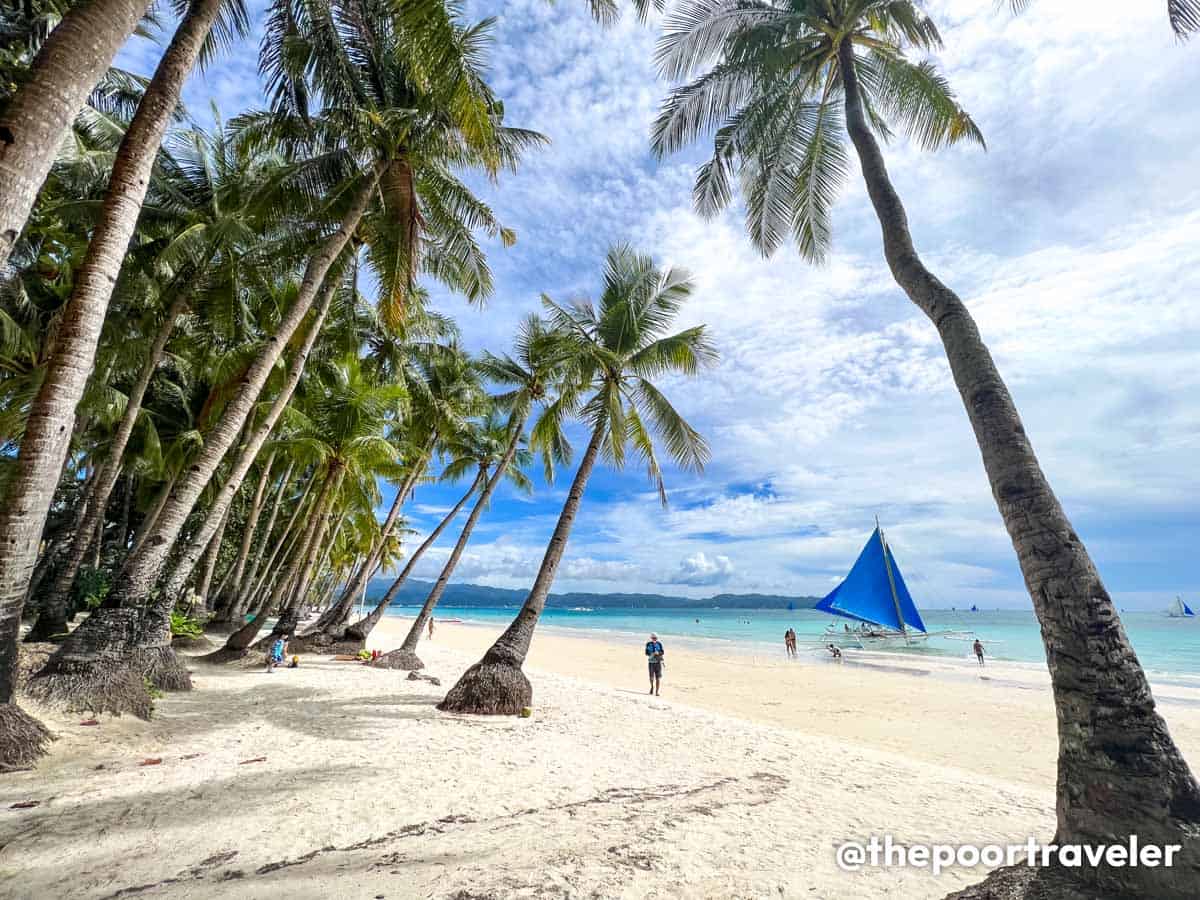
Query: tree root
[163,668]
[100,684]
[398,659]
[224,655]
[23,738]
[490,689]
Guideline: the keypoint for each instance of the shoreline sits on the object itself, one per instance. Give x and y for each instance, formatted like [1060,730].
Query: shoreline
[340,780]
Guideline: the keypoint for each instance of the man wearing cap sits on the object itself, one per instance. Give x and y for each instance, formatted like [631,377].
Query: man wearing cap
[654,653]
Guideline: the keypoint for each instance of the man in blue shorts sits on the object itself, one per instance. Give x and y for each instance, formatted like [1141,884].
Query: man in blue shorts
[654,653]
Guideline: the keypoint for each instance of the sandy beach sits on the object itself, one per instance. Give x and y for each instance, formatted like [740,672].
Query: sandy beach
[337,780]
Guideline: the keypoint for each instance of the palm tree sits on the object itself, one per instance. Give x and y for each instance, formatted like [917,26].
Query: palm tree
[493,449]
[444,392]
[774,80]
[73,59]
[616,348]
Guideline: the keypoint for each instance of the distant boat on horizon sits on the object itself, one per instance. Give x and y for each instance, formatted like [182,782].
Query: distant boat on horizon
[1180,610]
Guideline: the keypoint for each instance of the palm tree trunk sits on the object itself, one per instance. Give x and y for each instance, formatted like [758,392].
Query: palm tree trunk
[335,624]
[496,685]
[1119,772]
[148,521]
[286,543]
[232,584]
[52,414]
[361,629]
[52,618]
[146,652]
[288,617]
[242,593]
[332,622]
[210,560]
[75,56]
[405,656]
[191,552]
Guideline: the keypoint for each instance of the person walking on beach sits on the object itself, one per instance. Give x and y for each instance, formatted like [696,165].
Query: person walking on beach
[789,643]
[654,654]
[979,651]
[431,628]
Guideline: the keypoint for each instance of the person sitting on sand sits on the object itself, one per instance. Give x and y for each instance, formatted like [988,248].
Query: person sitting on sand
[654,653]
[275,654]
[837,653]
[979,651]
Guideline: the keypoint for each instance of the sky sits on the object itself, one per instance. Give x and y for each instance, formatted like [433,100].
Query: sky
[1074,239]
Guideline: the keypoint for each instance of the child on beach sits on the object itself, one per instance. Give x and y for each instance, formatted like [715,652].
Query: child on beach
[275,654]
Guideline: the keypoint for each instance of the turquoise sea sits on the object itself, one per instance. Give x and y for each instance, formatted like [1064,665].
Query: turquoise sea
[1165,646]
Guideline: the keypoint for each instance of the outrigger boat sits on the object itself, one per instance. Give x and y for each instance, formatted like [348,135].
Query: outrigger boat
[875,596]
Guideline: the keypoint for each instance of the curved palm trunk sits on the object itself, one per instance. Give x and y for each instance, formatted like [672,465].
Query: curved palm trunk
[496,685]
[75,56]
[289,616]
[148,521]
[73,674]
[239,642]
[405,657]
[361,629]
[1119,772]
[333,623]
[233,579]
[52,414]
[52,618]
[245,592]
[210,561]
[287,542]
[191,552]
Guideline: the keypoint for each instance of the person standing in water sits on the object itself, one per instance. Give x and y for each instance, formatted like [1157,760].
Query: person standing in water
[979,651]
[654,655]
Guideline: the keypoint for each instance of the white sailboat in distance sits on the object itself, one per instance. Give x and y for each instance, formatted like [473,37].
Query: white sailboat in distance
[1180,610]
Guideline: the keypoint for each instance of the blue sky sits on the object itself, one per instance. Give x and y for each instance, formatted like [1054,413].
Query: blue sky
[1074,240]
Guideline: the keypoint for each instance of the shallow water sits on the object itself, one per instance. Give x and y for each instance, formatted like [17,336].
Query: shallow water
[1165,646]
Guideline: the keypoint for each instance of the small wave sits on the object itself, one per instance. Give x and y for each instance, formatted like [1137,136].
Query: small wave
[581,609]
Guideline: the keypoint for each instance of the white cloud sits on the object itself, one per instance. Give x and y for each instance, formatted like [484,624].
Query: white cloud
[698,569]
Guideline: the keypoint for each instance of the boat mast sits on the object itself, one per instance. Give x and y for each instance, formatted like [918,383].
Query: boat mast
[891,581]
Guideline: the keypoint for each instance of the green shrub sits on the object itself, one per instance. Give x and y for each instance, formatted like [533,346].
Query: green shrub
[91,587]
[183,624]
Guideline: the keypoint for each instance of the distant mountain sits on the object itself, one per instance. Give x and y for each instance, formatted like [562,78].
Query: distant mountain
[413,593]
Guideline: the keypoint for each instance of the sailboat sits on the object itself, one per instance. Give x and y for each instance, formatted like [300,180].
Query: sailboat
[874,595]
[1180,610]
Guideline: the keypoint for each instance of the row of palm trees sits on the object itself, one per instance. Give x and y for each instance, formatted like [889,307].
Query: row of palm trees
[187,347]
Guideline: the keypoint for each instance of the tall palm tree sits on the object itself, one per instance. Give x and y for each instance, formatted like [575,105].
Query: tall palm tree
[72,60]
[493,449]
[781,82]
[617,348]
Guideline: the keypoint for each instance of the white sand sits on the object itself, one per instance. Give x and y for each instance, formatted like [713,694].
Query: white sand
[368,791]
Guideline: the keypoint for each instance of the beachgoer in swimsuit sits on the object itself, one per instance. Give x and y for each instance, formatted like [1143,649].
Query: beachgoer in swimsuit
[979,651]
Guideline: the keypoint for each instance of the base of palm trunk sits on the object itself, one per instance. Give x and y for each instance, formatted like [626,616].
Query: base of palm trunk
[1028,883]
[325,643]
[194,643]
[162,667]
[398,659]
[23,738]
[47,631]
[224,655]
[30,660]
[103,684]
[490,689]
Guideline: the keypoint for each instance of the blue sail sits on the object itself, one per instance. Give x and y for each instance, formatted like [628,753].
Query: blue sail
[866,593]
[1187,610]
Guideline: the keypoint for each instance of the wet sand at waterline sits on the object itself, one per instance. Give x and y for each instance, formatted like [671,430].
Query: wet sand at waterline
[336,780]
